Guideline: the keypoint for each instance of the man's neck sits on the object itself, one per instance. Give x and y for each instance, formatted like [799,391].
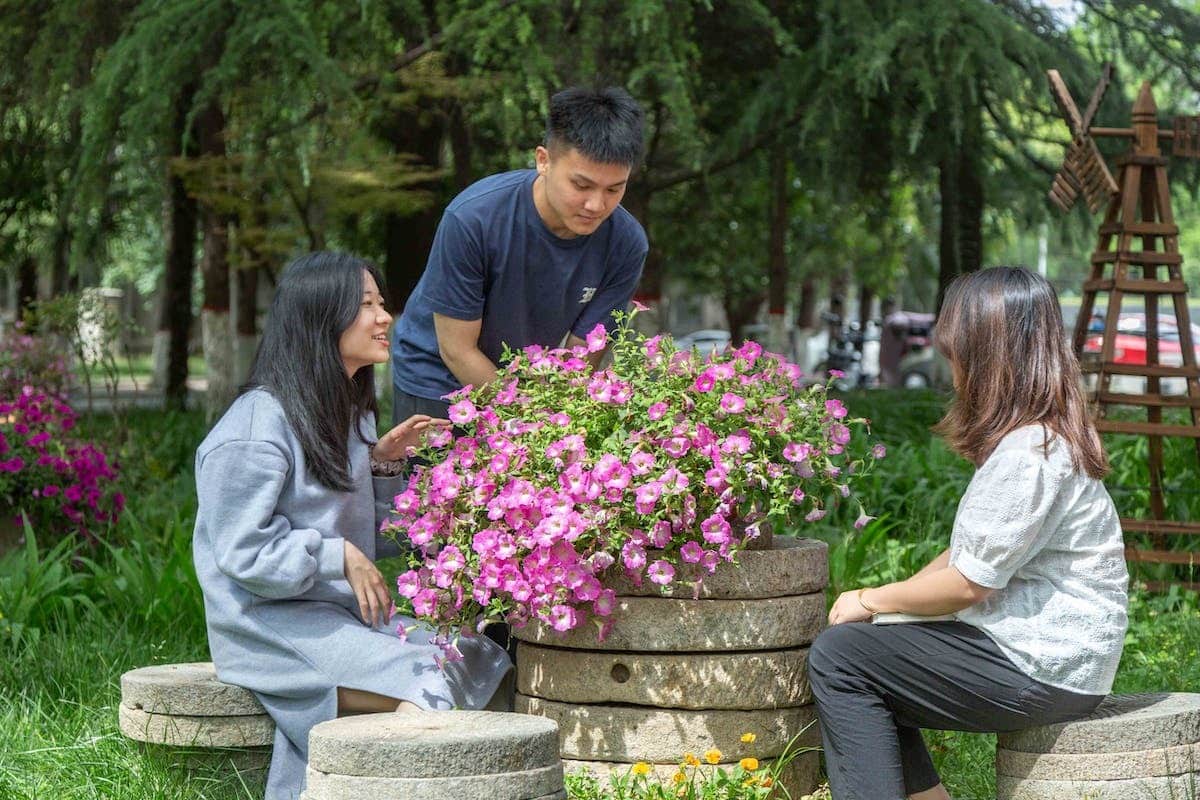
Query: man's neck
[549,218]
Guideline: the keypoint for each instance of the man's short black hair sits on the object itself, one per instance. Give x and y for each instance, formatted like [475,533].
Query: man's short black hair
[604,125]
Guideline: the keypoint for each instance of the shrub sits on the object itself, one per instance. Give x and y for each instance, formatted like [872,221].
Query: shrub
[27,360]
[663,463]
[55,482]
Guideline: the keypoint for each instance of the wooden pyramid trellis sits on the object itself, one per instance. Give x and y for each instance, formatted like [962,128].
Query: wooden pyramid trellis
[1138,240]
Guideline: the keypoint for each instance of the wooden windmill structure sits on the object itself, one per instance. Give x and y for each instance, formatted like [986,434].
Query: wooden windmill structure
[1138,242]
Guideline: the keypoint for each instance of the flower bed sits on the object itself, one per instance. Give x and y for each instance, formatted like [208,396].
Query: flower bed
[53,481]
[662,465]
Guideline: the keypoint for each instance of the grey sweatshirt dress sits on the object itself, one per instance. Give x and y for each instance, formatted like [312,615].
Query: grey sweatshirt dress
[282,619]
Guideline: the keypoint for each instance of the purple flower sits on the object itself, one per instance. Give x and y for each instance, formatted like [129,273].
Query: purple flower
[462,412]
[597,339]
[732,403]
[661,572]
[704,382]
[691,552]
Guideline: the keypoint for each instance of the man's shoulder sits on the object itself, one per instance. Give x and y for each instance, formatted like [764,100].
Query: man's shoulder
[628,234]
[485,194]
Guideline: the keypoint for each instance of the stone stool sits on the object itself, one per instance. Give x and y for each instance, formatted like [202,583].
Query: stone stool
[435,755]
[185,704]
[1132,746]
[685,669]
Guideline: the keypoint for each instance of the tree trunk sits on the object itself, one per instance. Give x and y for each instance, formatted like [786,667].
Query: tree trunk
[777,267]
[970,188]
[408,238]
[27,285]
[948,263]
[246,300]
[179,240]
[806,312]
[865,298]
[740,312]
[215,322]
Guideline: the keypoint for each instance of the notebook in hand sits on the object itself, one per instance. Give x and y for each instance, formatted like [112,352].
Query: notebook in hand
[896,618]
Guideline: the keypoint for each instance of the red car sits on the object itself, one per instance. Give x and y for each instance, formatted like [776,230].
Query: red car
[1130,345]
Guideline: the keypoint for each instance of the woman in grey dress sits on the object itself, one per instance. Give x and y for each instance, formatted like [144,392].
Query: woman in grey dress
[292,488]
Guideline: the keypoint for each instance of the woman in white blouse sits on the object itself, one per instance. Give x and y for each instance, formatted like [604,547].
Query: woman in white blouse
[1031,591]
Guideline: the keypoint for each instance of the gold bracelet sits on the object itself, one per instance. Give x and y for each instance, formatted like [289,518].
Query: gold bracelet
[862,602]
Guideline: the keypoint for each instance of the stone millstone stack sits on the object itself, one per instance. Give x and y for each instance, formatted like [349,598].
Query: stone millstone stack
[185,704]
[442,755]
[1132,746]
[680,674]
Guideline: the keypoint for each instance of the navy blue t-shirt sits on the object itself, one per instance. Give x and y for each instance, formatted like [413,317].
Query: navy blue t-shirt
[494,259]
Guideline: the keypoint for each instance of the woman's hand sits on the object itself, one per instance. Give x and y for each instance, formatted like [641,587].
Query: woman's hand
[374,602]
[848,608]
[394,444]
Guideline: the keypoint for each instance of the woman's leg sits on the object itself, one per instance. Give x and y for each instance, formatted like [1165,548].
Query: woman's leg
[357,701]
[875,686]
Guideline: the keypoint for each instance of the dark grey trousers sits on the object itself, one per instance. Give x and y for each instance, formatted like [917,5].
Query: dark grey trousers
[876,686]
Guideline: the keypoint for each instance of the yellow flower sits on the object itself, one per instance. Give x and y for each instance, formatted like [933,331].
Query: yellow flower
[713,756]
[691,760]
[679,777]
[750,781]
[749,764]
[748,738]
[641,768]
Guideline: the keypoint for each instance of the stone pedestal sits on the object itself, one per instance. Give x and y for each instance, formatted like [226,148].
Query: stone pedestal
[1139,745]
[185,704]
[690,670]
[448,755]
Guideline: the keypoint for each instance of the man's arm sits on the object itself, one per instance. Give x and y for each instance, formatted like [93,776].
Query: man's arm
[593,358]
[458,344]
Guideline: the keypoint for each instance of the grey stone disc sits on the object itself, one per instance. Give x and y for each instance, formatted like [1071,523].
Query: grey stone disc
[746,680]
[1177,786]
[640,733]
[503,786]
[432,744]
[189,689]
[1120,723]
[1165,761]
[655,624]
[791,566]
[254,730]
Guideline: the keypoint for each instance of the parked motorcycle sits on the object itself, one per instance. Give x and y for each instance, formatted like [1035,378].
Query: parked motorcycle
[845,353]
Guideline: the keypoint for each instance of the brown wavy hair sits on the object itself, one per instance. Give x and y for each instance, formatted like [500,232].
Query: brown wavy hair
[1002,332]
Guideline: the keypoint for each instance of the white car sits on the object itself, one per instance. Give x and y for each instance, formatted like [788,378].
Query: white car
[704,342]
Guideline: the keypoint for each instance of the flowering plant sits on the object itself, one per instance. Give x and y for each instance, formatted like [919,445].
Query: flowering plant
[663,464]
[47,476]
[27,360]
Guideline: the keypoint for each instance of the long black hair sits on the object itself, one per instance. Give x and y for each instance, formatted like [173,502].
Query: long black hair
[299,363]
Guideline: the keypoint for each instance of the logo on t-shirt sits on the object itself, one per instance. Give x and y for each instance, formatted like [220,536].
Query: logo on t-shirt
[588,293]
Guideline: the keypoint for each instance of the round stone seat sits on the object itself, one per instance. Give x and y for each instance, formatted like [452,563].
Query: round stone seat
[1136,745]
[435,755]
[185,704]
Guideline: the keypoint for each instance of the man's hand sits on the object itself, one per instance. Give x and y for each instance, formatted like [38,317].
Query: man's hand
[394,444]
[848,608]
[374,602]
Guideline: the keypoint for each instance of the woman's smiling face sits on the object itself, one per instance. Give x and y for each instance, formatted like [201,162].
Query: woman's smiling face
[365,342]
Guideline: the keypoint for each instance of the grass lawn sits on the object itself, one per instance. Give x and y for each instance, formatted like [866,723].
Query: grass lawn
[70,627]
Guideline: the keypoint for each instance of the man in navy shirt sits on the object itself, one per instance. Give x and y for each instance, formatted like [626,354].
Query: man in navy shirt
[527,257]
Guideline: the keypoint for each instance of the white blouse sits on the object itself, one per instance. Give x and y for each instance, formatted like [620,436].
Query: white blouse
[1048,540]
